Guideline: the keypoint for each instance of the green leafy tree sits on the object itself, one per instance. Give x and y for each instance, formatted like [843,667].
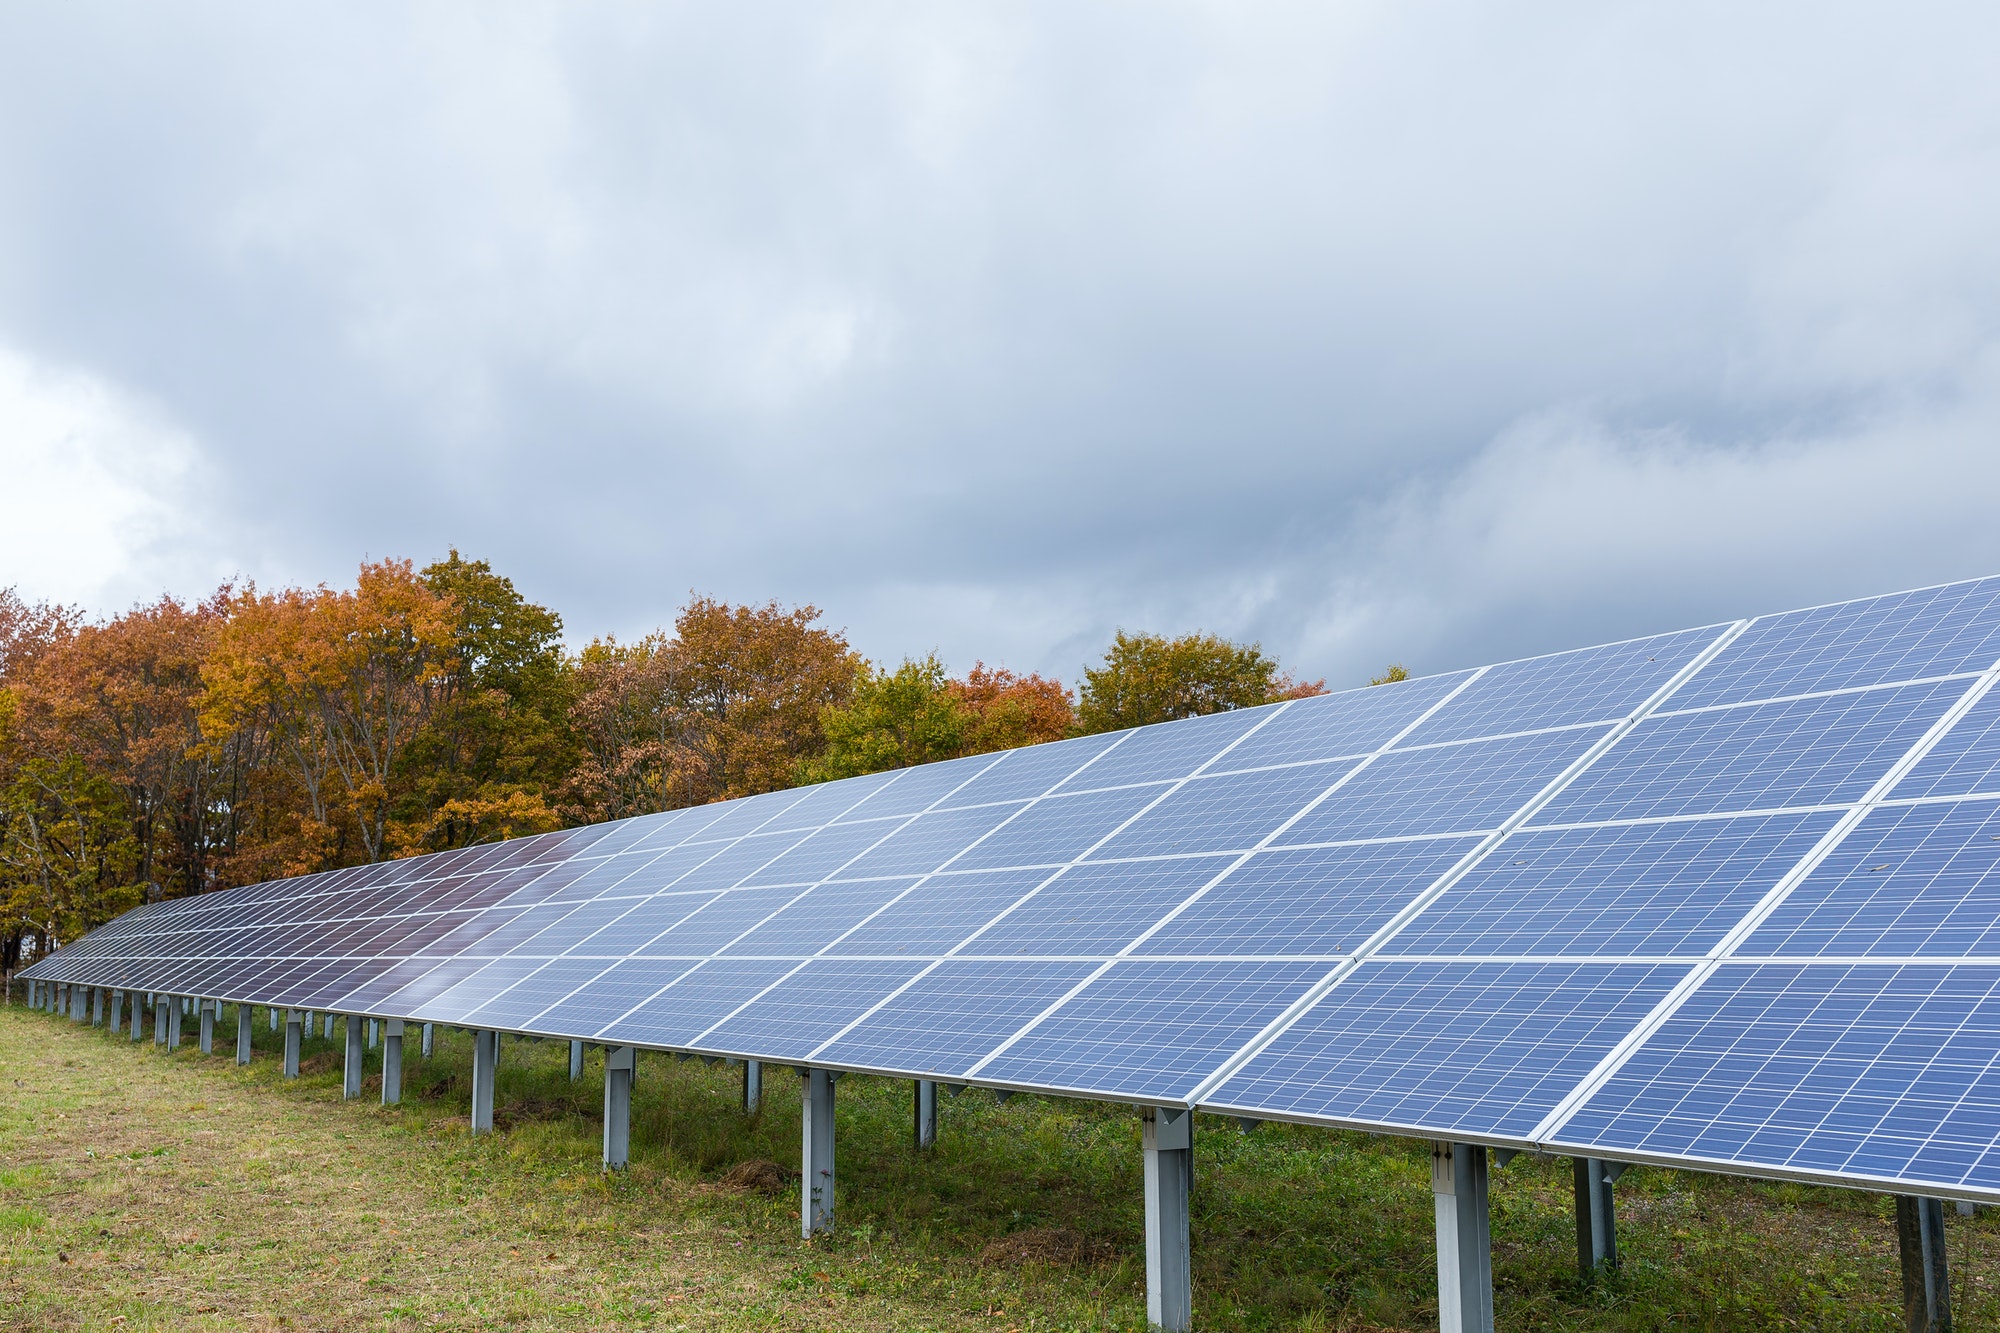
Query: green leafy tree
[1394,672]
[499,742]
[1147,678]
[894,719]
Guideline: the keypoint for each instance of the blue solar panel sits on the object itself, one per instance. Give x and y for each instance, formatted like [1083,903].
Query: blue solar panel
[807,1007]
[1170,750]
[824,914]
[1592,685]
[1353,722]
[1905,636]
[1479,1048]
[1627,889]
[1112,896]
[1233,812]
[1884,1073]
[1965,761]
[1320,901]
[949,909]
[929,841]
[1443,789]
[1910,881]
[696,1001]
[610,996]
[1058,829]
[1153,1028]
[1097,908]
[1758,757]
[952,1017]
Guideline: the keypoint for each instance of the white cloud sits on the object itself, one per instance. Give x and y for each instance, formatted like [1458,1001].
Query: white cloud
[100,490]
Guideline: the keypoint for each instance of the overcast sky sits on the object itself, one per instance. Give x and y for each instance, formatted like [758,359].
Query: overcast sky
[1421,332]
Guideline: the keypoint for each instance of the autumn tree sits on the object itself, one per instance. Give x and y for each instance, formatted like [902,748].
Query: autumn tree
[726,705]
[1146,678]
[1009,710]
[916,714]
[342,682]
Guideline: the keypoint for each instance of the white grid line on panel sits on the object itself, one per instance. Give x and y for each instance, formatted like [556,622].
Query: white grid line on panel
[1820,694]
[1385,748]
[1670,1004]
[1395,925]
[1079,859]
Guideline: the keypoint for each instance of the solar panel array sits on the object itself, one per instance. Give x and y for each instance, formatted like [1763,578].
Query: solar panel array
[1727,897]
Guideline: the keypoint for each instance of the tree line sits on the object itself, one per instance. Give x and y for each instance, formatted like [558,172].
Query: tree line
[181,747]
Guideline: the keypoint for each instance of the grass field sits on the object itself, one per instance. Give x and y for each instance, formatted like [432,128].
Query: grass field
[140,1191]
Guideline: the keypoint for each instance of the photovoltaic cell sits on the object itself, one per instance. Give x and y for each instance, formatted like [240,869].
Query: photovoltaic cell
[1659,889]
[1443,789]
[1097,908]
[1350,723]
[1481,1048]
[1169,751]
[699,999]
[1321,901]
[1904,636]
[809,1006]
[821,916]
[1153,1028]
[952,1017]
[1910,881]
[948,909]
[1965,761]
[1233,812]
[1591,685]
[1762,756]
[1878,1072]
[1058,829]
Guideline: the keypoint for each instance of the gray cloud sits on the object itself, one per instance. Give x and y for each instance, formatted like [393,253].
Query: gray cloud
[1423,332]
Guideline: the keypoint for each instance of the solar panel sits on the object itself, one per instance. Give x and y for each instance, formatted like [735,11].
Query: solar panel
[1724,896]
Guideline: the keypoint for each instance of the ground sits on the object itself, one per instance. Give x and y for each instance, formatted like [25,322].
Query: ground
[146,1191]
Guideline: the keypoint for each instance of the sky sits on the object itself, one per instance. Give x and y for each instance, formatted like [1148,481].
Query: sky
[1430,333]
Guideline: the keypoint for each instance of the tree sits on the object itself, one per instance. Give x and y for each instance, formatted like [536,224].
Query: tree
[1148,678]
[1009,711]
[499,743]
[342,682]
[727,705]
[1393,673]
[894,719]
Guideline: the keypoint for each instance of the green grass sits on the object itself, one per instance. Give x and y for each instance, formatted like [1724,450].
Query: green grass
[183,1192]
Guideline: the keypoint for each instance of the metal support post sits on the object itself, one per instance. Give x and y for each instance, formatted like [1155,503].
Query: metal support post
[326,1034]
[244,1018]
[174,1023]
[1464,1243]
[1926,1280]
[926,1114]
[295,1034]
[371,1034]
[392,1062]
[96,1005]
[117,1012]
[79,1009]
[575,1061]
[138,1016]
[753,1086]
[1168,1139]
[357,1056]
[485,1047]
[1596,1221]
[816,1174]
[620,1063]
[274,1020]
[208,1008]
[429,1032]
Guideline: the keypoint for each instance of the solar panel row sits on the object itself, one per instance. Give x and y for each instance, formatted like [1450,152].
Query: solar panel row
[1723,896]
